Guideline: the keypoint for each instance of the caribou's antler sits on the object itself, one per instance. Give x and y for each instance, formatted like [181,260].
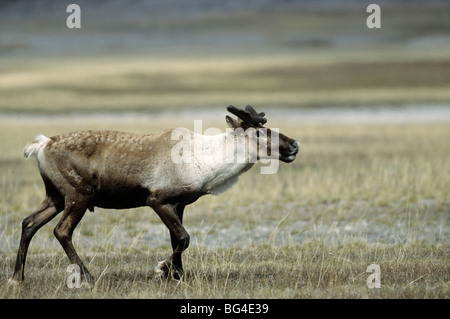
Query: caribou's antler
[248,115]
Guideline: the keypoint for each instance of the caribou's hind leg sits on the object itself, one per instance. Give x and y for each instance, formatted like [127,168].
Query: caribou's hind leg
[74,210]
[50,207]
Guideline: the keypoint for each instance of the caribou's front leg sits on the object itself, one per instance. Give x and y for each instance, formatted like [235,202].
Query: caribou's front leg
[172,216]
[176,258]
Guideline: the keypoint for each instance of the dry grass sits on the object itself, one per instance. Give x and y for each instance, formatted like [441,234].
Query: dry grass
[310,270]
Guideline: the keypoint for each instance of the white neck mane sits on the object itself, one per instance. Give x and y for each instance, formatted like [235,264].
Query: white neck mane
[221,160]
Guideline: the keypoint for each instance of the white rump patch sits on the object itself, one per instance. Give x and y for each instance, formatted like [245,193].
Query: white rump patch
[33,147]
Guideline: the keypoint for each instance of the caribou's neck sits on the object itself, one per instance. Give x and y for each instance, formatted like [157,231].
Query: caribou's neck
[223,158]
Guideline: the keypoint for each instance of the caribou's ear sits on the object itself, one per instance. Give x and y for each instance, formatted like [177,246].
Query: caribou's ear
[232,122]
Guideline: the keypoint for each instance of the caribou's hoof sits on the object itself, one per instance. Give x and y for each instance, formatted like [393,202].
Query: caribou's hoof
[167,270]
[88,281]
[161,270]
[83,280]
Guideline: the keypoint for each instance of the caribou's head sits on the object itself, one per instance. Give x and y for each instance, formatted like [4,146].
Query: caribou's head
[270,144]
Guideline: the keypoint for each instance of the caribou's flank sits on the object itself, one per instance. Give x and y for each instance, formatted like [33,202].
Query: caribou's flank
[109,169]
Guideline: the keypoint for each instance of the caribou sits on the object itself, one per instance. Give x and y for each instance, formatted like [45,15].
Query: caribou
[110,169]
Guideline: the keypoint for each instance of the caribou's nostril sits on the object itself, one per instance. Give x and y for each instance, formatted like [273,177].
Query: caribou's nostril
[294,146]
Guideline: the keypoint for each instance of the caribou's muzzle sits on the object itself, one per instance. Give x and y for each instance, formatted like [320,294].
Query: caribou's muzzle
[291,152]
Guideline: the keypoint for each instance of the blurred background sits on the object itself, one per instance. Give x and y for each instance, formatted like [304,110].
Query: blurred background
[152,56]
